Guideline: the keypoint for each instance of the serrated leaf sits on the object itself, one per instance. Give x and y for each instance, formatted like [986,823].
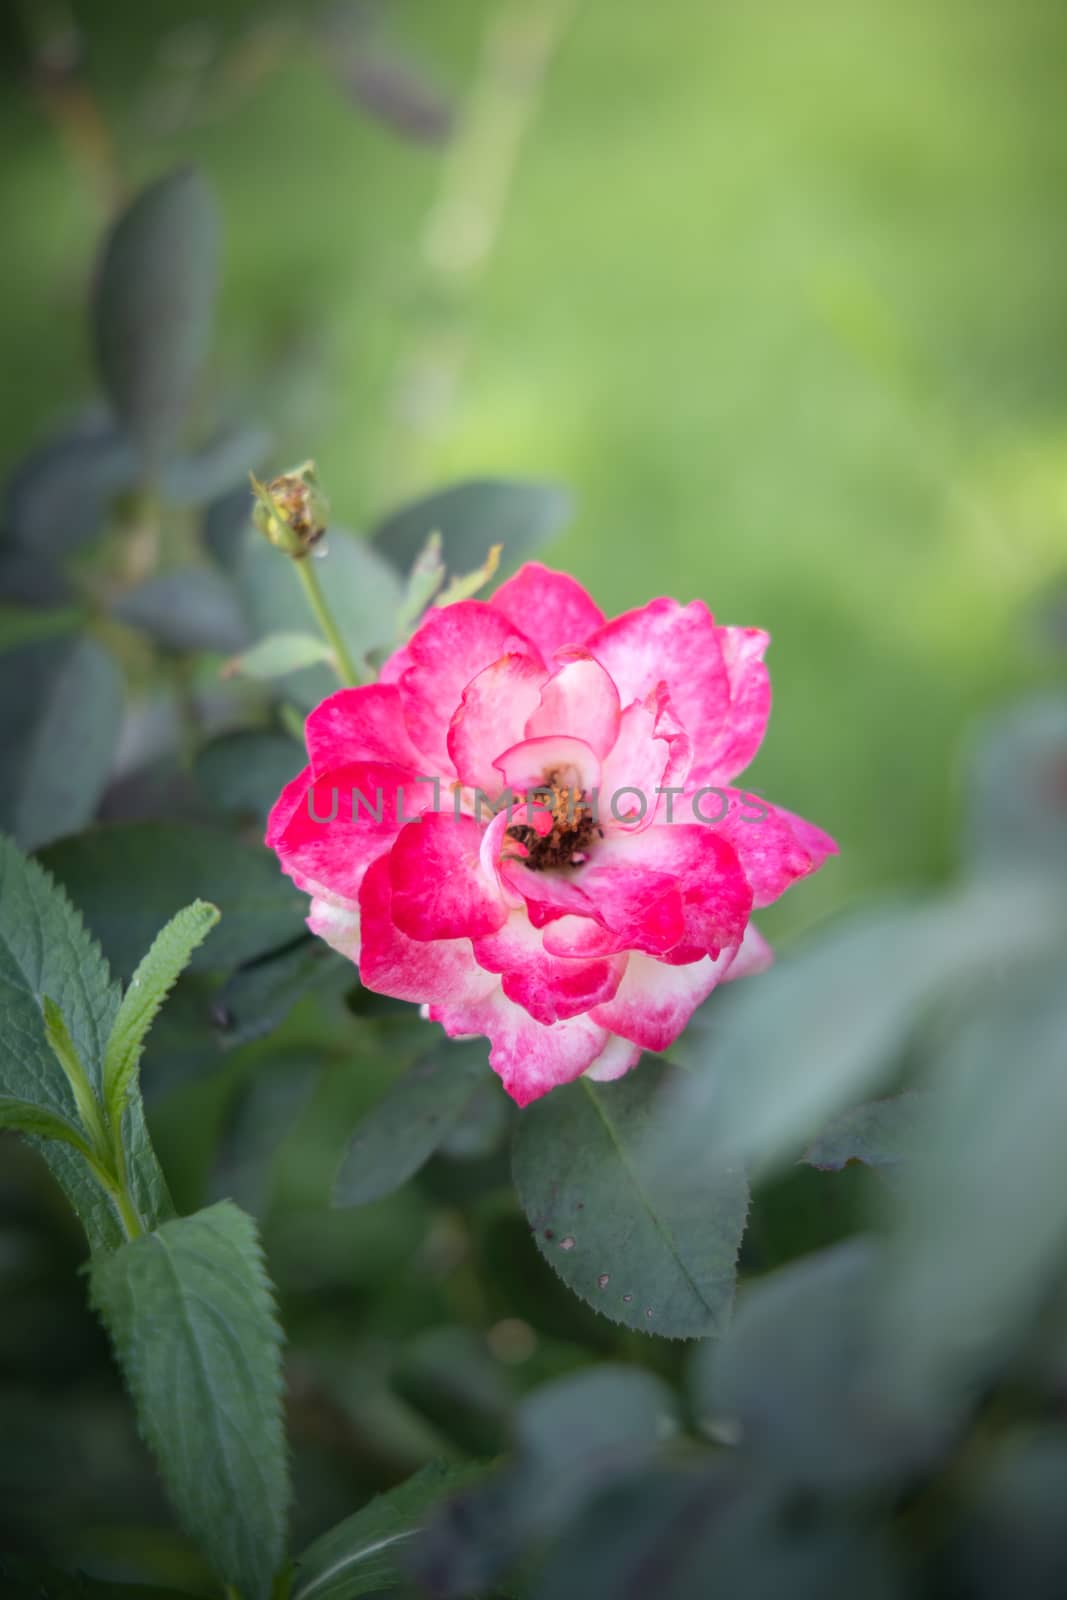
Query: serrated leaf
[366,1553]
[130,878]
[152,311]
[472,516]
[419,1111]
[45,950]
[190,608]
[646,1241]
[189,1309]
[878,1134]
[21,1116]
[280,653]
[60,710]
[156,975]
[363,591]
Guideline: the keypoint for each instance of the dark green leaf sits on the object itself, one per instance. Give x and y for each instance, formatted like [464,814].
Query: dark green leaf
[776,1057]
[242,774]
[472,516]
[190,608]
[31,1580]
[224,526]
[647,1241]
[154,299]
[60,495]
[362,590]
[1016,790]
[60,709]
[220,465]
[190,1311]
[404,1129]
[131,878]
[366,1553]
[879,1134]
[981,1225]
[45,950]
[793,1380]
[259,996]
[22,1116]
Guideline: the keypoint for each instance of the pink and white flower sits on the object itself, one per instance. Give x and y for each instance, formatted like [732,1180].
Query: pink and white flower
[585,919]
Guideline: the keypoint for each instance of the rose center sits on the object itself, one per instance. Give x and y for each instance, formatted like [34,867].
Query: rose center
[574,825]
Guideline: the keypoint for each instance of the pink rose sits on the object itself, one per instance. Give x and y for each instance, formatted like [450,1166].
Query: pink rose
[586,919]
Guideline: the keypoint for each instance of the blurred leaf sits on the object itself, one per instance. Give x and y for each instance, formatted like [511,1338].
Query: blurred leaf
[225,525]
[280,653]
[242,774]
[365,1553]
[220,465]
[265,1114]
[59,496]
[32,581]
[60,708]
[157,973]
[424,580]
[449,1377]
[363,592]
[387,86]
[472,516]
[481,1130]
[130,878]
[793,1377]
[981,1226]
[1012,1541]
[401,1133]
[259,996]
[776,1057]
[189,608]
[1015,790]
[643,1239]
[573,1436]
[687,1536]
[190,1311]
[32,1580]
[879,1134]
[153,305]
[45,950]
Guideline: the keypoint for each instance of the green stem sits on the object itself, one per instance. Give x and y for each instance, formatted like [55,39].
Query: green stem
[316,600]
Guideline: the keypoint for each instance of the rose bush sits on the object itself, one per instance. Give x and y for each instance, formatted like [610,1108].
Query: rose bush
[528,825]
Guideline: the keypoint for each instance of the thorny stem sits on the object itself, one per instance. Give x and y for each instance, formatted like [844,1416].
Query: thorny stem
[346,671]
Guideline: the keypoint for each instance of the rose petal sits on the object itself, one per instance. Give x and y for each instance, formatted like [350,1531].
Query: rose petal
[440,888]
[450,648]
[525,766]
[550,607]
[579,699]
[740,733]
[546,986]
[492,716]
[327,835]
[357,725]
[530,1057]
[754,956]
[411,969]
[714,896]
[774,847]
[655,1000]
[338,925]
[614,1061]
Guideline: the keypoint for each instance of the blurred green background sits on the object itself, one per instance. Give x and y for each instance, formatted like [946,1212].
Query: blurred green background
[777,291]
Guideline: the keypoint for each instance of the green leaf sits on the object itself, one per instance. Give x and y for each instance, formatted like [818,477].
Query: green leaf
[21,1116]
[1015,788]
[472,516]
[155,295]
[242,774]
[774,1058]
[365,1553]
[190,608]
[220,465]
[156,975]
[45,950]
[190,1311]
[32,1580]
[60,709]
[793,1380]
[646,1241]
[130,878]
[280,653]
[879,1134]
[980,1228]
[401,1133]
[59,496]
[259,996]
[363,592]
